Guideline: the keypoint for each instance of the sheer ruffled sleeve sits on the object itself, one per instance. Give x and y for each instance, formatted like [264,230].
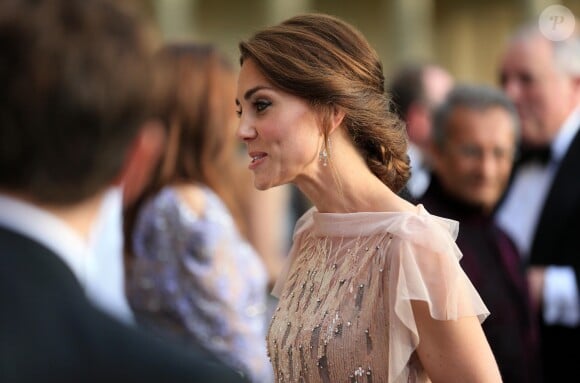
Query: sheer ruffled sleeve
[425,266]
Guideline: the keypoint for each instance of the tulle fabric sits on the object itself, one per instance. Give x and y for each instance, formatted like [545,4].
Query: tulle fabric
[421,262]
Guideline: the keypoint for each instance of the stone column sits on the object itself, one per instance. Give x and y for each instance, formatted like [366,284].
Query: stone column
[533,8]
[176,18]
[412,28]
[278,10]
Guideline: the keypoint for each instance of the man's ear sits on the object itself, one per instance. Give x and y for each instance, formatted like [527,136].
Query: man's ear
[418,122]
[576,88]
[142,159]
[433,155]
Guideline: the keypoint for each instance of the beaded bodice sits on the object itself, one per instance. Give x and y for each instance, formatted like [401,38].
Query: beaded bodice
[342,314]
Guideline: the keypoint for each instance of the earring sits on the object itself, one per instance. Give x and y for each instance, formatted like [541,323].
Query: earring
[324,153]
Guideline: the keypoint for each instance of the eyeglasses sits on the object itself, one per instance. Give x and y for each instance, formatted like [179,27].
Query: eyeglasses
[475,153]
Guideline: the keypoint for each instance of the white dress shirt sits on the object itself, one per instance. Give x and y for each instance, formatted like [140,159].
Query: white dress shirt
[519,214]
[106,242]
[101,276]
[420,178]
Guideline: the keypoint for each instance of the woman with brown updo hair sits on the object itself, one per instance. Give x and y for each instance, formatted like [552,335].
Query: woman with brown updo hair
[373,290]
[193,274]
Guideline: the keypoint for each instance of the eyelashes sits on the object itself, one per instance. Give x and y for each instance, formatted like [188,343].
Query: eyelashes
[259,106]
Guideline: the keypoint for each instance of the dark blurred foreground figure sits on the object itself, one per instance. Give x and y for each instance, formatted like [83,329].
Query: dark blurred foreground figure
[474,140]
[77,96]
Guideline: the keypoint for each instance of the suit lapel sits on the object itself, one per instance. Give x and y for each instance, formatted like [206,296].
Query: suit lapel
[563,192]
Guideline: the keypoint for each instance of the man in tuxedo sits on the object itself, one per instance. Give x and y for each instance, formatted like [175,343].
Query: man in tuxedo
[416,90]
[541,210]
[77,105]
[474,140]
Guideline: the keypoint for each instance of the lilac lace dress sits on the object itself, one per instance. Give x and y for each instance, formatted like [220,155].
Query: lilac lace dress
[195,277]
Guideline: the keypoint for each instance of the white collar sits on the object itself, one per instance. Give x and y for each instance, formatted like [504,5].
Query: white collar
[565,135]
[102,276]
[48,230]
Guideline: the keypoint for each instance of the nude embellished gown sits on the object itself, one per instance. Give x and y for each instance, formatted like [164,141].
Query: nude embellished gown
[344,313]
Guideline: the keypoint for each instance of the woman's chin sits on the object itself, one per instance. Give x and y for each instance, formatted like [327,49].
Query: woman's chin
[264,184]
[261,185]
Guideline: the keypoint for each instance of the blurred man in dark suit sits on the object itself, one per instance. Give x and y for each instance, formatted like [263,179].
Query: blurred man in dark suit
[416,90]
[78,97]
[541,210]
[475,135]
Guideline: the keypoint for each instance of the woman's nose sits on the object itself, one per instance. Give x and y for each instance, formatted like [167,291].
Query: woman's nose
[245,130]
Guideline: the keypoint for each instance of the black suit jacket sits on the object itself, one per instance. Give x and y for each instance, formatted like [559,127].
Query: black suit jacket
[556,241]
[557,237]
[50,332]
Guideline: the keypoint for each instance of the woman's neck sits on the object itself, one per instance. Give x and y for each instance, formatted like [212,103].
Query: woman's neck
[347,185]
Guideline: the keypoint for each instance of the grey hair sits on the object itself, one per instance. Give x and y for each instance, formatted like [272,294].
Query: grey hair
[566,53]
[474,97]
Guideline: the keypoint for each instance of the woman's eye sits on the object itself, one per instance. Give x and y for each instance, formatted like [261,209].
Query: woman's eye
[261,105]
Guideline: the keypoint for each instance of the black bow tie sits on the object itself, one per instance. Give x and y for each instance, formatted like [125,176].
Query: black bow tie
[538,154]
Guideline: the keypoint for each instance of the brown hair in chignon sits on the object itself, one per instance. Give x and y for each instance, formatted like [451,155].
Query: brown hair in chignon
[326,61]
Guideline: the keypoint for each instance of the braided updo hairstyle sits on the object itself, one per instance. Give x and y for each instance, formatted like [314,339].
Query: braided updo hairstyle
[328,62]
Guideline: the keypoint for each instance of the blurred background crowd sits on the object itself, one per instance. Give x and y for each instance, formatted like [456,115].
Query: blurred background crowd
[203,248]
